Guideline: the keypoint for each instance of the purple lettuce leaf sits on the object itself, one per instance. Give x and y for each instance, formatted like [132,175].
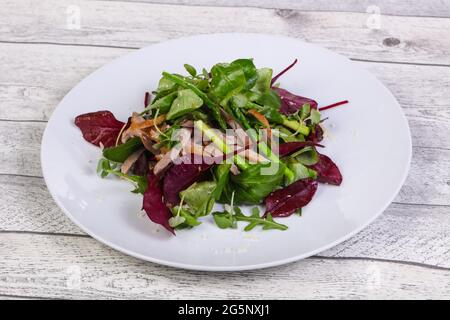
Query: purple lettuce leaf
[287,148]
[284,202]
[180,176]
[291,103]
[327,171]
[153,203]
[99,127]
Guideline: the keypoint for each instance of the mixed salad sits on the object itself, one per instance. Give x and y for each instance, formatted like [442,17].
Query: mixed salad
[229,135]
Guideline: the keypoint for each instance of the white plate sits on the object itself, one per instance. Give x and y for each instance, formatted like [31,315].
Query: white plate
[369,139]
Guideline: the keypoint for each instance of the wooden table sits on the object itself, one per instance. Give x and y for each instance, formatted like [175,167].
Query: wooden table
[44,52]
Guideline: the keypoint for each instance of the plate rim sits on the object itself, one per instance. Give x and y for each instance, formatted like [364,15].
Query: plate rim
[201,267]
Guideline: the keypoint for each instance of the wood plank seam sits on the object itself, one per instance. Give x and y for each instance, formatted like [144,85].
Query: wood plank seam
[190,4]
[137,48]
[318,257]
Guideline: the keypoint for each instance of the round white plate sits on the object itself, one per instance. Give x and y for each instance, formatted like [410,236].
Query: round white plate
[369,139]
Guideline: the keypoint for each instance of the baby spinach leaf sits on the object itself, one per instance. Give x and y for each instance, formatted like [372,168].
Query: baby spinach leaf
[199,197]
[221,174]
[301,172]
[165,84]
[163,104]
[215,109]
[255,183]
[269,99]
[190,69]
[264,77]
[307,156]
[122,151]
[227,80]
[249,69]
[186,101]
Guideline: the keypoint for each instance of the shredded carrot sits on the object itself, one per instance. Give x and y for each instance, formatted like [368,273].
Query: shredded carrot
[261,118]
[148,123]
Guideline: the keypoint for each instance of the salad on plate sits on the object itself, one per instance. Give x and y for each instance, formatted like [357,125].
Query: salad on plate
[228,135]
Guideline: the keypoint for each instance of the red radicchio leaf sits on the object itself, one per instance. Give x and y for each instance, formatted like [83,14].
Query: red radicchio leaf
[99,127]
[291,103]
[327,171]
[179,177]
[284,202]
[287,148]
[153,203]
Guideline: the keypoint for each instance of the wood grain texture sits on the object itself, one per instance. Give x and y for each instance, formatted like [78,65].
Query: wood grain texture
[41,59]
[430,8]
[412,233]
[401,39]
[59,267]
[421,91]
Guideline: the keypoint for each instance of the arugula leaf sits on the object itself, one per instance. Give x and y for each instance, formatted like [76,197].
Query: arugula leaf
[227,219]
[122,151]
[190,69]
[186,101]
[224,220]
[104,168]
[199,197]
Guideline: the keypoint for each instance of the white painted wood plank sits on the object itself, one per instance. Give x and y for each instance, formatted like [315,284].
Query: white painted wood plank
[433,8]
[26,205]
[64,267]
[413,233]
[420,40]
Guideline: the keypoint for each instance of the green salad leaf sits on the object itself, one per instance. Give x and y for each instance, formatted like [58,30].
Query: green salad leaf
[186,102]
[122,151]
